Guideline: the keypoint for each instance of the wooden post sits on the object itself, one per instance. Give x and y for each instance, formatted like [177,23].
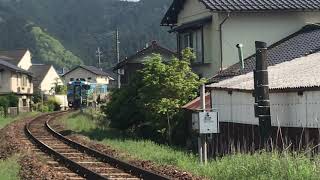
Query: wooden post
[262,92]
[203,137]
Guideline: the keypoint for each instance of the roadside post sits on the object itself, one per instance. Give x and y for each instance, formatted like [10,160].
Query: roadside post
[204,123]
[261,86]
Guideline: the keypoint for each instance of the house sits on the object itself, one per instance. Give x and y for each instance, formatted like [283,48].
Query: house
[213,28]
[18,81]
[92,75]
[294,93]
[19,58]
[130,65]
[45,78]
[87,73]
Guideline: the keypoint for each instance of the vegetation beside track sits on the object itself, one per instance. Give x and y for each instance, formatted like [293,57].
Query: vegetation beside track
[9,168]
[261,165]
[7,120]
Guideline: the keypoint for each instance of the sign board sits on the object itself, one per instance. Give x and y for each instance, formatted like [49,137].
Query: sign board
[205,122]
[208,123]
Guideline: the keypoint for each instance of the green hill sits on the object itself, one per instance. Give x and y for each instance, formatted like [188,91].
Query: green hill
[82,25]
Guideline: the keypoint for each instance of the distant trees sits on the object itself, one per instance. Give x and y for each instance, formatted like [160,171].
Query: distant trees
[152,101]
[51,51]
[82,33]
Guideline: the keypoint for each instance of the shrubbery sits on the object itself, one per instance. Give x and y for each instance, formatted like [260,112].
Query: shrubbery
[151,103]
[6,101]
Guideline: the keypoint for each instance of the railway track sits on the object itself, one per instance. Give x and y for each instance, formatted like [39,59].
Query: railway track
[83,161]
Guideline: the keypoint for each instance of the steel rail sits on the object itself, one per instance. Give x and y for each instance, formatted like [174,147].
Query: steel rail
[75,167]
[129,168]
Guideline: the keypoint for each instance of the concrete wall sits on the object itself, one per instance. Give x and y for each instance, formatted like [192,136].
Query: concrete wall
[287,109]
[49,80]
[245,28]
[25,62]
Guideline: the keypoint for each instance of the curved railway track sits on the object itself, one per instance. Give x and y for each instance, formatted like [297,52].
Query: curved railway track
[83,161]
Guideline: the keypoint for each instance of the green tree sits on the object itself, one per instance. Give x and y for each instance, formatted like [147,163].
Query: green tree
[156,96]
[167,87]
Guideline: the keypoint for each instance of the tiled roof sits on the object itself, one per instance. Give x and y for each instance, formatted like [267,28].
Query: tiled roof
[13,67]
[91,69]
[153,48]
[13,57]
[302,43]
[170,17]
[39,72]
[261,5]
[299,73]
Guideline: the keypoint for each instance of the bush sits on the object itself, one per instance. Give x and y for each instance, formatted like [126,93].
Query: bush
[13,100]
[53,104]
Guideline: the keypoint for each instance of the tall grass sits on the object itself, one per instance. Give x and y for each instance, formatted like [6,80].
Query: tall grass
[9,168]
[5,121]
[261,165]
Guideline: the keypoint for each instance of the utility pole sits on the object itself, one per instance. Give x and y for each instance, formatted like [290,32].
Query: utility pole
[99,54]
[118,56]
[261,83]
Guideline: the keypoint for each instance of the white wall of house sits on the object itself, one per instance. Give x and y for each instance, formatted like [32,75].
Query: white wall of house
[25,62]
[287,109]
[192,10]
[49,80]
[245,28]
[20,83]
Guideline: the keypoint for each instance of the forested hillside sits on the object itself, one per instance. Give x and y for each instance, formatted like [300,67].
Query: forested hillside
[81,26]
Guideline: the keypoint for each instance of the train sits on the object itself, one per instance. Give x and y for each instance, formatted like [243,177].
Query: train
[81,93]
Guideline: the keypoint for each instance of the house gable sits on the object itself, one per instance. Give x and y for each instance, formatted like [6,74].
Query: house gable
[25,62]
[191,11]
[50,78]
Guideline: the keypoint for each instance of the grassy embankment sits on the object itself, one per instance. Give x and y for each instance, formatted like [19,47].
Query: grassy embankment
[9,168]
[238,166]
[5,121]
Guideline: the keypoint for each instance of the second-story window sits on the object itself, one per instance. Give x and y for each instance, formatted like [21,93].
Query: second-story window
[24,82]
[194,40]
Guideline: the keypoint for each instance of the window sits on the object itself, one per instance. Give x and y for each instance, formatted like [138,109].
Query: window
[194,40]
[24,81]
[71,79]
[24,102]
[89,78]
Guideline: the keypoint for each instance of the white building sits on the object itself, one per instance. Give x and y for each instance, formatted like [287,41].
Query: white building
[294,95]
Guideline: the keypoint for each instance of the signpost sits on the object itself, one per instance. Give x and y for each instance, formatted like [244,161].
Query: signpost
[204,122]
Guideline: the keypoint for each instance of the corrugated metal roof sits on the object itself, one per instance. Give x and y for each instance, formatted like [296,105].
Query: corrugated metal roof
[304,42]
[299,73]
[195,104]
